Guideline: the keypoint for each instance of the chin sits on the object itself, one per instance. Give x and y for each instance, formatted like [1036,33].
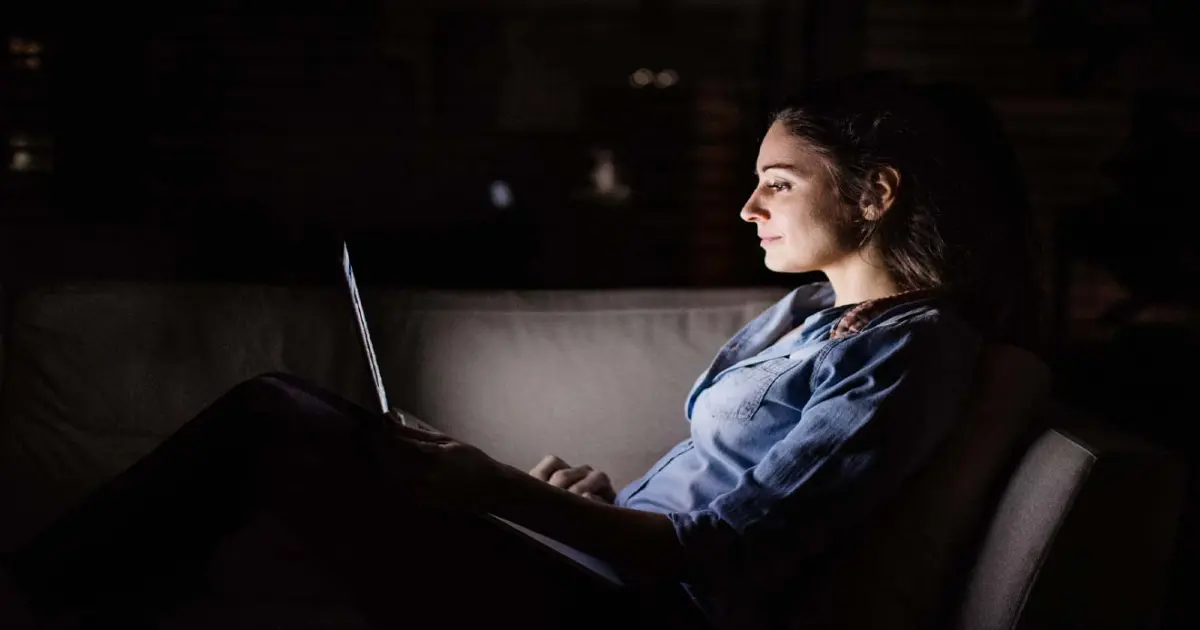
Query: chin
[786,266]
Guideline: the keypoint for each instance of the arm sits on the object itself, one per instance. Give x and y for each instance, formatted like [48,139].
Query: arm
[457,476]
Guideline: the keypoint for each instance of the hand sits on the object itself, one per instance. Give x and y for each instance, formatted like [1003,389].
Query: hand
[581,480]
[451,474]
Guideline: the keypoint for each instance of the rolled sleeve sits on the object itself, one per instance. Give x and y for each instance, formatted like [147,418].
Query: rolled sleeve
[866,416]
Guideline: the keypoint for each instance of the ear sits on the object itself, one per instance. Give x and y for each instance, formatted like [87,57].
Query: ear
[885,184]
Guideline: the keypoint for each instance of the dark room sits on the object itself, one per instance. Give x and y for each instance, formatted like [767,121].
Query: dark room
[704,314]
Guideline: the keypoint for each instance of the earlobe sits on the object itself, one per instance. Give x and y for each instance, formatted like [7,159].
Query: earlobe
[872,210]
[885,183]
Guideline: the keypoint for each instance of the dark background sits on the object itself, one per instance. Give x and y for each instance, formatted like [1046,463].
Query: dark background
[231,139]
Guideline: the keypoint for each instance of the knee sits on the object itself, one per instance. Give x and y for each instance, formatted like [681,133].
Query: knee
[276,379]
[266,385]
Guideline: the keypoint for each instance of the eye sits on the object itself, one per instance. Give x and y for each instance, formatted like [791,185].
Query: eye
[779,186]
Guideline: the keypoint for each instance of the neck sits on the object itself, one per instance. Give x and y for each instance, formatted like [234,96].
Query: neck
[858,278]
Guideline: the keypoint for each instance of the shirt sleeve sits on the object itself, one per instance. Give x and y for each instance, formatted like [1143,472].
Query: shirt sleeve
[865,417]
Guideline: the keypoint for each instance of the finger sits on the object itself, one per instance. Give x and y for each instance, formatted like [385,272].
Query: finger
[593,496]
[595,482]
[567,477]
[548,466]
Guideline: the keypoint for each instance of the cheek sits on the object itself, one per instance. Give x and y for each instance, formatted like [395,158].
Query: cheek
[805,222]
[810,238]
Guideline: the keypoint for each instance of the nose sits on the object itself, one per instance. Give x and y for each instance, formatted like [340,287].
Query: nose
[752,210]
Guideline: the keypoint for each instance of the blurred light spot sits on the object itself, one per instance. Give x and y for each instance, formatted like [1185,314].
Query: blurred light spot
[31,153]
[21,161]
[641,77]
[666,78]
[606,183]
[25,52]
[22,46]
[501,194]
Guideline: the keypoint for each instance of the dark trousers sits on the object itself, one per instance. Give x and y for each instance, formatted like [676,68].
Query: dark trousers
[136,549]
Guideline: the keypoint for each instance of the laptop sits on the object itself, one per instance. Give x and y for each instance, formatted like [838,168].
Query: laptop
[364,336]
[589,564]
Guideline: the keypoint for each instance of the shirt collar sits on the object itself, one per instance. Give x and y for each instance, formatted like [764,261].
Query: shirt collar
[862,314]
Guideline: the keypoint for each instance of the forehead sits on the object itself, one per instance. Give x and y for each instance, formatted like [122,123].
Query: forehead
[780,146]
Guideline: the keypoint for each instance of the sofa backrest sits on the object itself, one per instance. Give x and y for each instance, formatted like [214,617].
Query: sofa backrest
[97,374]
[593,377]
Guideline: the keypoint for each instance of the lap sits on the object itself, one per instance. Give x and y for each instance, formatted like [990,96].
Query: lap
[279,443]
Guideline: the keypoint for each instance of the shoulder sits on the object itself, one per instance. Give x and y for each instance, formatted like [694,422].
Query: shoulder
[921,336]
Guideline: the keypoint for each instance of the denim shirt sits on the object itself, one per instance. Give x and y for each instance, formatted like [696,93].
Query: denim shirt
[795,436]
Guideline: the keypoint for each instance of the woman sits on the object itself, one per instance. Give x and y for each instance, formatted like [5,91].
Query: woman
[807,419]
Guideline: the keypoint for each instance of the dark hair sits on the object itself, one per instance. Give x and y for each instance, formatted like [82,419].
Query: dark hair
[960,221]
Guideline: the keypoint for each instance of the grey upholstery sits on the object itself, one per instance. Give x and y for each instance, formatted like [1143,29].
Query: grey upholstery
[1082,537]
[1010,525]
[596,378]
[97,375]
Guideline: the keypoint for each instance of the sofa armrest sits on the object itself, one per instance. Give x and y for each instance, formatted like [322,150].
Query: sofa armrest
[1083,535]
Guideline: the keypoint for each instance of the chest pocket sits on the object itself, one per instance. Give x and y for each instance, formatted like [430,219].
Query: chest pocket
[738,393]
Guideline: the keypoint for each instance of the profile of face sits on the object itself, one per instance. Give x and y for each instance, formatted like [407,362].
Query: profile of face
[795,208]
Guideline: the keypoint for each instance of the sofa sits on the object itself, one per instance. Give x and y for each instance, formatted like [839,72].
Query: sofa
[1026,517]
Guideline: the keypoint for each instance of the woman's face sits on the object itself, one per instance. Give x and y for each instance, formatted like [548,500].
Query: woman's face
[794,206]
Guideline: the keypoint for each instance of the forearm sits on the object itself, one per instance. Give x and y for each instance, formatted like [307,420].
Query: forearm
[643,543]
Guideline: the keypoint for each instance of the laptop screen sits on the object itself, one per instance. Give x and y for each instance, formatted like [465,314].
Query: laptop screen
[360,320]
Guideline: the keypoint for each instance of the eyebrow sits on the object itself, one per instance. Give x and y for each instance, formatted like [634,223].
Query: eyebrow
[783,165]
